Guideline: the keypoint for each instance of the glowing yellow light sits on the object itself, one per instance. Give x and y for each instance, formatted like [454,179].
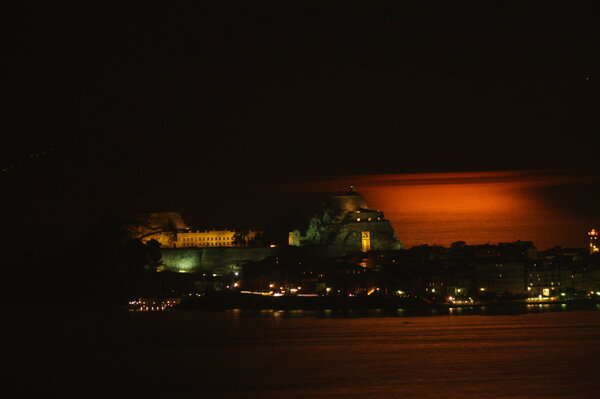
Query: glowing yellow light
[482,289]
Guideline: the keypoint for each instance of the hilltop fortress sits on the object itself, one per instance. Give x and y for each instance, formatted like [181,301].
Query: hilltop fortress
[343,225]
[347,224]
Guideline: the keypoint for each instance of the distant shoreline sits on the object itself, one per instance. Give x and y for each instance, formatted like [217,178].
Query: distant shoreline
[229,301]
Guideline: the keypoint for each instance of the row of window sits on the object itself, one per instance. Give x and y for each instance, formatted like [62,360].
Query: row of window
[207,239]
[208,244]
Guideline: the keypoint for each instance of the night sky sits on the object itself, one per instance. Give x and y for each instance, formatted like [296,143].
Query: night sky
[204,109]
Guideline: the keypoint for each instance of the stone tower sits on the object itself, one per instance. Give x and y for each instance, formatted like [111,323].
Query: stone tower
[593,235]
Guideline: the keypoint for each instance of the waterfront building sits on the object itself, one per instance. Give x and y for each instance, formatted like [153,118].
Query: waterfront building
[501,278]
[548,282]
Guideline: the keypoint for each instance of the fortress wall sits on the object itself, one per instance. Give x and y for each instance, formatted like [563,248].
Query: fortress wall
[214,260]
[347,203]
[348,235]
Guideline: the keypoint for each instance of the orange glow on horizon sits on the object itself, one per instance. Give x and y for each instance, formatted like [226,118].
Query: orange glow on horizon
[476,207]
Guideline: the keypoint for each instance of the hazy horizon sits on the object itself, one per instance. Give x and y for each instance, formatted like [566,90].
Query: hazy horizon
[544,206]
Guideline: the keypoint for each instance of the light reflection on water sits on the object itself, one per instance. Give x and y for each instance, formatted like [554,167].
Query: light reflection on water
[543,353]
[509,309]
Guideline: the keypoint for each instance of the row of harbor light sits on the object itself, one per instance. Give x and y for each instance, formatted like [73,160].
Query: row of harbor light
[143,305]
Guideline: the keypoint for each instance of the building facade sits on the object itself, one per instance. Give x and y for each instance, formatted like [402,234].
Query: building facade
[213,238]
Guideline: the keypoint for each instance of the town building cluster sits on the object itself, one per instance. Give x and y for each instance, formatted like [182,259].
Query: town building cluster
[352,250]
[460,273]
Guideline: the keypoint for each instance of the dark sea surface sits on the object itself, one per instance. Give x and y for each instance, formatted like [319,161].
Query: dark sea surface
[536,352]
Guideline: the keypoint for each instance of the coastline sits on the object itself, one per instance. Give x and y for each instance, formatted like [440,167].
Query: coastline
[236,301]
